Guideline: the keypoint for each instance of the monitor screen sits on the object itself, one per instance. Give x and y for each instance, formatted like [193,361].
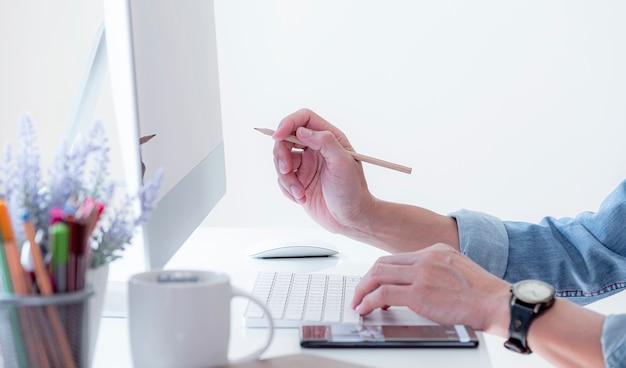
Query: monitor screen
[162,59]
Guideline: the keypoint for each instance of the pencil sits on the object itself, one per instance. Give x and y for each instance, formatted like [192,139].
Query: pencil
[41,275]
[356,156]
[27,349]
[18,276]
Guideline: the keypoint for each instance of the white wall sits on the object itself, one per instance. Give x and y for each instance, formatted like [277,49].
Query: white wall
[45,47]
[512,108]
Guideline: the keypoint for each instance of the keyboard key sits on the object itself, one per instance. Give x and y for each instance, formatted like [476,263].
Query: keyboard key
[295,299]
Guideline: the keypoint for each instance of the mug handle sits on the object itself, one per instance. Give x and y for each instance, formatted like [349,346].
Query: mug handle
[257,353]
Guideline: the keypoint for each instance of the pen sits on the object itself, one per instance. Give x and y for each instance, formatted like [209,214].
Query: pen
[77,244]
[87,214]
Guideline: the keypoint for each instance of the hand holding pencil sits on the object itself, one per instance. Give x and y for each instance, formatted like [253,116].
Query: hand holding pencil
[317,168]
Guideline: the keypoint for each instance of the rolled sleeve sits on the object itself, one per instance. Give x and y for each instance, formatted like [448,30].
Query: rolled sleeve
[484,239]
[614,340]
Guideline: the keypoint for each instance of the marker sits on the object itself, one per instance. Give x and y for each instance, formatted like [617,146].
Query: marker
[77,241]
[59,234]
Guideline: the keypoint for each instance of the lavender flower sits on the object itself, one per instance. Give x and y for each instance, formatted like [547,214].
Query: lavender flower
[27,179]
[76,173]
[117,226]
[98,143]
[5,173]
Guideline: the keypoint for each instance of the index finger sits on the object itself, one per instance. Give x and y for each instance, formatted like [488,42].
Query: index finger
[382,273]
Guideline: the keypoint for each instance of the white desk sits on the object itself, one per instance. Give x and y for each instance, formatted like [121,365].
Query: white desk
[224,250]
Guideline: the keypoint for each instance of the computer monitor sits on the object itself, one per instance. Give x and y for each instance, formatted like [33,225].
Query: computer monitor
[162,58]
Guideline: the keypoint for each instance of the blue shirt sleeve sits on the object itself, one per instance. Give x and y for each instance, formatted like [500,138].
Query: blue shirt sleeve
[484,239]
[614,340]
[584,258]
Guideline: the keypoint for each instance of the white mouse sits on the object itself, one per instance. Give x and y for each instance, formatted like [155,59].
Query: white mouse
[292,249]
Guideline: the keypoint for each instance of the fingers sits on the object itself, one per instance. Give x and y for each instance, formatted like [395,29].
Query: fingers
[293,124]
[287,127]
[383,297]
[393,280]
[321,142]
[290,183]
[324,142]
[300,118]
[389,270]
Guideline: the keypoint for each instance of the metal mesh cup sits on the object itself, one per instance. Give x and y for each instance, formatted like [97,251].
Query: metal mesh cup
[44,331]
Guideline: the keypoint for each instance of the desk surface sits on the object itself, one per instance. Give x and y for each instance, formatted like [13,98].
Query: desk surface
[223,250]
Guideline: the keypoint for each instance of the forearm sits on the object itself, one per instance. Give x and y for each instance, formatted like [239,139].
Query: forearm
[568,335]
[402,228]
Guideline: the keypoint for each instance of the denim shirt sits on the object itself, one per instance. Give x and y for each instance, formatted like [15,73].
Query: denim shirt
[584,258]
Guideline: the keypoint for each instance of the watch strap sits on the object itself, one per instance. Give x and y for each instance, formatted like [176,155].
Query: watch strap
[521,317]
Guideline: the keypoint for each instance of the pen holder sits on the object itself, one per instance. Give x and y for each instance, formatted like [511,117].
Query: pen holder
[45,331]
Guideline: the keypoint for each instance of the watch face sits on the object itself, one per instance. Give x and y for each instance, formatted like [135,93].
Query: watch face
[533,291]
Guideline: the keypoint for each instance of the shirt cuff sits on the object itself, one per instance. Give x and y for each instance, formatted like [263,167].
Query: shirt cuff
[484,239]
[614,340]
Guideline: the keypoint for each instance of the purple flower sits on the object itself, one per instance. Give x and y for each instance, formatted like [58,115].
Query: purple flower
[77,172]
[117,226]
[6,174]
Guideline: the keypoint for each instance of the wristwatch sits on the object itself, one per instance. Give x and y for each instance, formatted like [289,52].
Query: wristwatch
[529,299]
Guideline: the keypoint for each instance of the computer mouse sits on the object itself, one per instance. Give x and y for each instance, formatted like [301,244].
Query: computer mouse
[292,249]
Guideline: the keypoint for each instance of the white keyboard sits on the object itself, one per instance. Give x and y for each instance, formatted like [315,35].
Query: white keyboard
[297,299]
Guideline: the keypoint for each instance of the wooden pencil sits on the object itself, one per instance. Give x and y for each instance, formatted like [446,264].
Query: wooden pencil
[356,156]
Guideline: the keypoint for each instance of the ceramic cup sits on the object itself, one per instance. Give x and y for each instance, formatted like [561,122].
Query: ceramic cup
[181,318]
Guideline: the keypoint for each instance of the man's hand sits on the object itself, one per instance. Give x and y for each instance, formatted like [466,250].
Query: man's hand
[438,283]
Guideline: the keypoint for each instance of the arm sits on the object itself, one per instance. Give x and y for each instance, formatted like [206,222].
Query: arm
[399,228]
[441,284]
[565,343]
[584,258]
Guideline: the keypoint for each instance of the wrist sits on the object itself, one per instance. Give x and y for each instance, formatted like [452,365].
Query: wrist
[362,225]
[498,312]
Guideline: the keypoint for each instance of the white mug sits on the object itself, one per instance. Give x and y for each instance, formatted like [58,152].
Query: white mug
[182,319]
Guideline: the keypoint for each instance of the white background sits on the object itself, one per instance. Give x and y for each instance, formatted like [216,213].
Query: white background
[512,108]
